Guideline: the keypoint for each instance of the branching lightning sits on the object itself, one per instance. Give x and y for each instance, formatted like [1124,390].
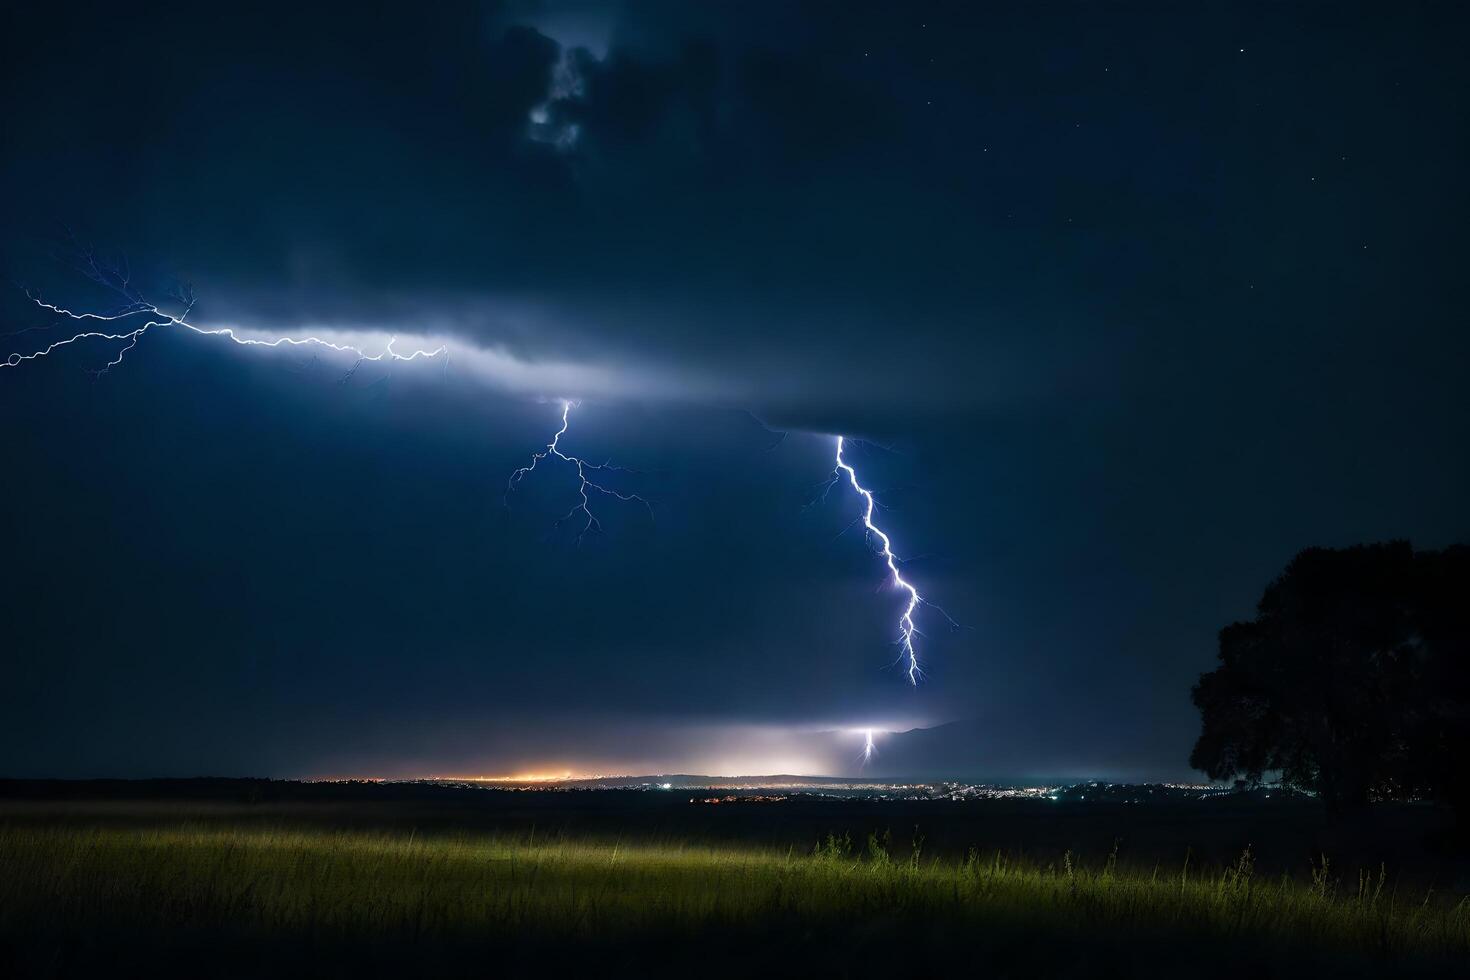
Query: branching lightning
[907,630]
[583,507]
[126,325]
[868,748]
[122,326]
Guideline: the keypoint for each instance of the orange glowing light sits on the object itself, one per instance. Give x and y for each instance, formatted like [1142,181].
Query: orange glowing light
[524,777]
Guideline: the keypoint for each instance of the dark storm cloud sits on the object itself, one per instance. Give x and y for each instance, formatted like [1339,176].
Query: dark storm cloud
[1139,312]
[729,187]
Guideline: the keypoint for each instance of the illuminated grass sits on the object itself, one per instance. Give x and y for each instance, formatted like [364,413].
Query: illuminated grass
[325,887]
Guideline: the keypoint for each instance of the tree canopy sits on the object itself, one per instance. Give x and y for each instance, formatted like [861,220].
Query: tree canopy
[1351,681]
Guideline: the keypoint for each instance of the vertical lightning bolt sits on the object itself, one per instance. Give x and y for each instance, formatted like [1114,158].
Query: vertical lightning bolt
[906,628]
[868,749]
[583,507]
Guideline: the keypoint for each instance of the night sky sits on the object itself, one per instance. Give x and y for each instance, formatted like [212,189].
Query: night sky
[1126,304]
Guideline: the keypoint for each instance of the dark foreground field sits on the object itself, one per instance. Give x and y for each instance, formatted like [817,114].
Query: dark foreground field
[242,881]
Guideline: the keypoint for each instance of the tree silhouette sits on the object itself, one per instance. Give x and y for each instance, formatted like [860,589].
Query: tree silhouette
[1351,680]
[1440,723]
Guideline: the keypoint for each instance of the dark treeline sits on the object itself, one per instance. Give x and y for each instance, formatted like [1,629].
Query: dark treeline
[1353,680]
[225,789]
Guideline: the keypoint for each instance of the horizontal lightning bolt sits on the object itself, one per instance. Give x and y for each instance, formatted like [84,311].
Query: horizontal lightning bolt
[590,523]
[128,331]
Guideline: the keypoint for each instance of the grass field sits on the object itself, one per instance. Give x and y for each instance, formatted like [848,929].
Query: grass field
[210,899]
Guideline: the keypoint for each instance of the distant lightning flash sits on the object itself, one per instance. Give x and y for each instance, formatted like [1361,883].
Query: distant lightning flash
[590,524]
[906,628]
[122,325]
[867,746]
